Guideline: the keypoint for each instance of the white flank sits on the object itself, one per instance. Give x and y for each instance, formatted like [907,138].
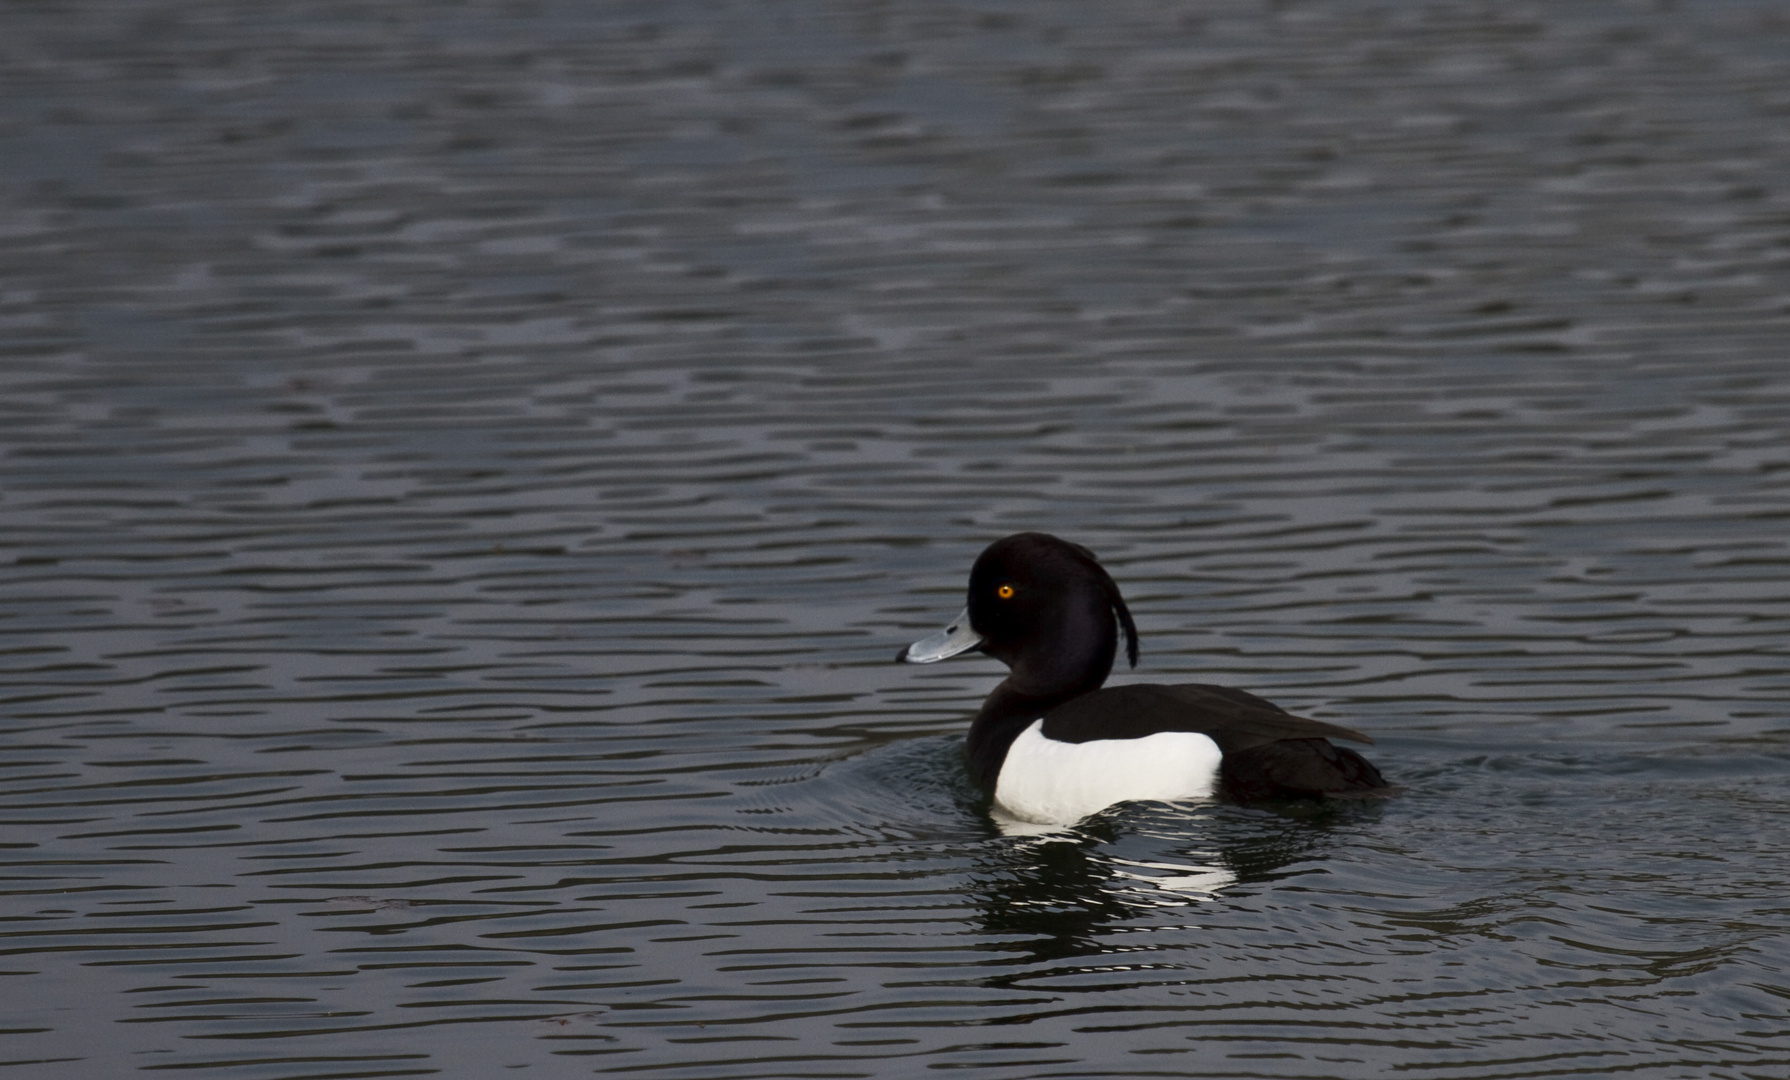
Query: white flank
[1056,782]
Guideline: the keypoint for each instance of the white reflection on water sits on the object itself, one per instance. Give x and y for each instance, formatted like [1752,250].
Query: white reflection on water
[1167,883]
[1178,883]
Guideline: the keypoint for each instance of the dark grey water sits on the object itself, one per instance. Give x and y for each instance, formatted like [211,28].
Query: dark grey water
[464,470]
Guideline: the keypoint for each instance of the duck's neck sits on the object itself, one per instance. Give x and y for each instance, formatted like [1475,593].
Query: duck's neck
[1008,712]
[1072,658]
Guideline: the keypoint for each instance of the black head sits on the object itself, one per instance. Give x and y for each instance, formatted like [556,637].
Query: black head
[1046,609]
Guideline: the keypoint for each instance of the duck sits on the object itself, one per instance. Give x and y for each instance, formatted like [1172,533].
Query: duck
[1053,744]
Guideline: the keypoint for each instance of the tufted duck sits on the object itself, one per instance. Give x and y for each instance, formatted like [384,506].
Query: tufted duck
[1054,747]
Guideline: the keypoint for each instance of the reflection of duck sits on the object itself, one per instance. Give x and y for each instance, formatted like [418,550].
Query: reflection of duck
[1055,894]
[1055,747]
[1073,897]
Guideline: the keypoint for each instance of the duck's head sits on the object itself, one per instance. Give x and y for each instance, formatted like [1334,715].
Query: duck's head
[1045,608]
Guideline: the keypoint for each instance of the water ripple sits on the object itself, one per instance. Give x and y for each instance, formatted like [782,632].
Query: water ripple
[463,475]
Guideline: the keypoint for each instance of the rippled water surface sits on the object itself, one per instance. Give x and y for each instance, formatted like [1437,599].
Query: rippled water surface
[465,470]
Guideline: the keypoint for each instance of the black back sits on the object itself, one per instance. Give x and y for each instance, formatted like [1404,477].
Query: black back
[1269,753]
[1234,719]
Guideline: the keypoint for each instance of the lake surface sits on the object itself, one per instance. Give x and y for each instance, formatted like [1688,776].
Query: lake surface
[465,471]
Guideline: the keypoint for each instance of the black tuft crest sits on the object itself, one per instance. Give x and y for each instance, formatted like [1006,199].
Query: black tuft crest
[1130,627]
[1112,595]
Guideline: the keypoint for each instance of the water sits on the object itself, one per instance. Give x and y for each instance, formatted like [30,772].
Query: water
[464,472]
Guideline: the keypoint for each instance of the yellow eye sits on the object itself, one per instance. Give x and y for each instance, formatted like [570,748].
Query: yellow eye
[1005,592]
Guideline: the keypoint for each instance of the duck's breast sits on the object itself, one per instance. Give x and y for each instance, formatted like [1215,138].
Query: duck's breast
[1053,782]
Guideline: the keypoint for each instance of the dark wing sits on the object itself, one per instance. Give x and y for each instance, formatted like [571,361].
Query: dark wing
[1268,752]
[1299,769]
[1234,719]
